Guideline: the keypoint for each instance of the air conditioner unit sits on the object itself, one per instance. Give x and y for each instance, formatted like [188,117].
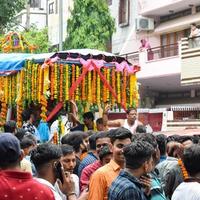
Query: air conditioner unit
[144,24]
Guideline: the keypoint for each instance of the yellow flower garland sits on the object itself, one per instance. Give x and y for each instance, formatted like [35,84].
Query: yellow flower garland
[55,81]
[89,87]
[98,90]
[77,89]
[32,84]
[118,88]
[67,83]
[19,99]
[108,80]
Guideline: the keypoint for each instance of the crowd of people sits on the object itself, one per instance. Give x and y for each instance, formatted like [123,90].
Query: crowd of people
[114,160]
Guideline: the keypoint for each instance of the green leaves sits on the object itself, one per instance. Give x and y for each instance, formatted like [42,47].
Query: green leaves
[38,38]
[8,9]
[90,25]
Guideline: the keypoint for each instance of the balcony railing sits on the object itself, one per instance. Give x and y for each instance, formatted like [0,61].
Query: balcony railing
[162,52]
[154,53]
[133,57]
[194,42]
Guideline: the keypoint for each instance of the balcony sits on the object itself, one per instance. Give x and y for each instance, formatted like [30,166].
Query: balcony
[160,67]
[169,68]
[160,8]
[190,59]
[151,61]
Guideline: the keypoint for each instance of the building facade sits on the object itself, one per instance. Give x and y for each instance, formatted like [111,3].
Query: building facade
[169,76]
[53,19]
[35,14]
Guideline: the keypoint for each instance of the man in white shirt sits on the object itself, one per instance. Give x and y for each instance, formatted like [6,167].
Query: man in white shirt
[68,161]
[131,122]
[190,188]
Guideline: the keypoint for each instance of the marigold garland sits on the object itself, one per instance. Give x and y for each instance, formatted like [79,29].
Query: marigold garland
[118,87]
[113,85]
[98,90]
[104,87]
[52,82]
[19,99]
[61,83]
[89,87]
[94,87]
[132,88]
[67,83]
[107,90]
[55,81]
[77,89]
[183,169]
[28,71]
[124,88]
[1,88]
[36,82]
[73,79]
[44,92]
[6,90]
[83,88]
[32,85]
[40,84]
[9,90]
[3,112]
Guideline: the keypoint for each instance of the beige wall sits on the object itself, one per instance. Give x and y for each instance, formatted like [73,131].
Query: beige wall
[53,21]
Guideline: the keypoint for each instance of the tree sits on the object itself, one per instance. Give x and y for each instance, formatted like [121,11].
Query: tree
[39,38]
[8,9]
[90,25]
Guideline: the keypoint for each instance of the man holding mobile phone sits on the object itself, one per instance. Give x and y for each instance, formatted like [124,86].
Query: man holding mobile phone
[46,158]
[68,161]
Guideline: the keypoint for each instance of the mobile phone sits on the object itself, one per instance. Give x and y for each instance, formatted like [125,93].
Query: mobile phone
[146,175]
[58,171]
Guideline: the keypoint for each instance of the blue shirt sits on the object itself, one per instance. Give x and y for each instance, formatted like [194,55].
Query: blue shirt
[157,192]
[126,187]
[89,159]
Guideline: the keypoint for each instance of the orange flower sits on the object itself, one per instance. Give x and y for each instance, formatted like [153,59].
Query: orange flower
[183,169]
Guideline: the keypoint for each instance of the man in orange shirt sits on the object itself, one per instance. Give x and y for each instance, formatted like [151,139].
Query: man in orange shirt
[104,176]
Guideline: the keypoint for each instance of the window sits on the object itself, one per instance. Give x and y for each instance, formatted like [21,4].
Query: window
[124,12]
[198,9]
[169,42]
[35,3]
[51,8]
[173,38]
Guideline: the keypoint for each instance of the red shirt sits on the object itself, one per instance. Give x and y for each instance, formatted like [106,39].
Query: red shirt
[87,172]
[17,185]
